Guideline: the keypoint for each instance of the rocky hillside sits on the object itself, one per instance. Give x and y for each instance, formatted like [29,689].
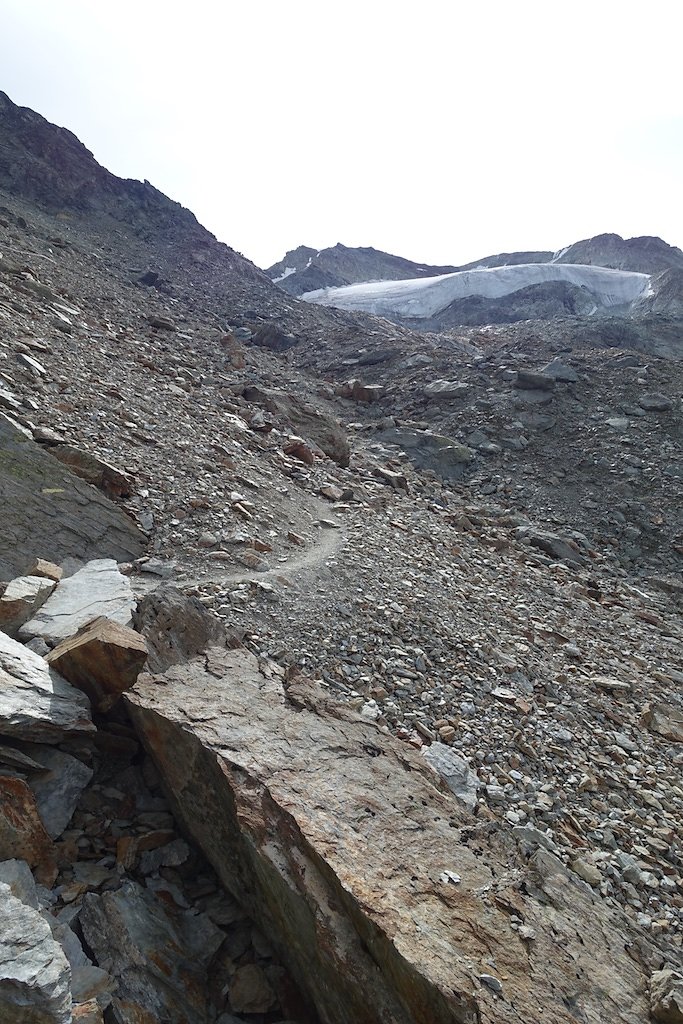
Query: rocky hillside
[340,664]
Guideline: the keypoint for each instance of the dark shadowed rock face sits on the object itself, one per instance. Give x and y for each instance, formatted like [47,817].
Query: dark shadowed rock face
[367,876]
[49,165]
[176,627]
[49,511]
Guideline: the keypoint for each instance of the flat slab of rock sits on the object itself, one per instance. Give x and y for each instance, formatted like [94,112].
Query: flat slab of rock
[373,884]
[98,589]
[96,471]
[48,512]
[35,702]
[34,972]
[103,659]
[442,389]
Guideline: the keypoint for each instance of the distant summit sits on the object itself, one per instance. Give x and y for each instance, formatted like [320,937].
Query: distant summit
[646,254]
[305,269]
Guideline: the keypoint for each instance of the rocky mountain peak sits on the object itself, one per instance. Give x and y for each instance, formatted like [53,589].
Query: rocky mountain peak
[645,254]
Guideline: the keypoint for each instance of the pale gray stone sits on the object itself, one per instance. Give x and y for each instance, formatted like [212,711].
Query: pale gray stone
[19,877]
[34,972]
[96,589]
[35,702]
[455,772]
[22,598]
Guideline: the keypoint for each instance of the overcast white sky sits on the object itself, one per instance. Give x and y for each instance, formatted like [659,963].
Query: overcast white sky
[440,130]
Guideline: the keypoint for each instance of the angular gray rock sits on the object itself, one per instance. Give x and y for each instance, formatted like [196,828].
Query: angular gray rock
[455,771]
[58,788]
[35,702]
[442,455]
[34,973]
[335,838]
[655,402]
[175,626]
[534,380]
[560,371]
[48,512]
[19,877]
[563,549]
[96,589]
[666,996]
[160,962]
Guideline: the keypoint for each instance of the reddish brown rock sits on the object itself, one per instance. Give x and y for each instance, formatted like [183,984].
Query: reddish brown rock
[41,567]
[22,835]
[298,449]
[103,659]
[96,471]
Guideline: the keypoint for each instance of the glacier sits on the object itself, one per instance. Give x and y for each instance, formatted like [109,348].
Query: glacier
[425,297]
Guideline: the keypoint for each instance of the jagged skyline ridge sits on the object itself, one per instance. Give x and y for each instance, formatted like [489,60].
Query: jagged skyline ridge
[442,134]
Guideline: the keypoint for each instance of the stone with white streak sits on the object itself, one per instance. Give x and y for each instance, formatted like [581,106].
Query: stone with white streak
[96,589]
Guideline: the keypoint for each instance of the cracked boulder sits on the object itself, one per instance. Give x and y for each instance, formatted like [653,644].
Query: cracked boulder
[371,882]
[98,589]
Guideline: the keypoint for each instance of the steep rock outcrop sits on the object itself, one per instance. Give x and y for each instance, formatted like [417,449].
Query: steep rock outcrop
[49,511]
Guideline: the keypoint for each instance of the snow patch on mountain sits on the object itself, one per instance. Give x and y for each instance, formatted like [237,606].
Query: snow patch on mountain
[287,272]
[424,297]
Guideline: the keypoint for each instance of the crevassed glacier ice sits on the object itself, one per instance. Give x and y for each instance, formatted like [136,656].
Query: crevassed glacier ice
[423,297]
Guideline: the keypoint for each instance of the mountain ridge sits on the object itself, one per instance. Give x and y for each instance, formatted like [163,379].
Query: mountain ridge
[329,276]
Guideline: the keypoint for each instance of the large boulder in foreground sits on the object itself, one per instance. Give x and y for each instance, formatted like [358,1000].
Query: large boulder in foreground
[176,627]
[387,900]
[49,512]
